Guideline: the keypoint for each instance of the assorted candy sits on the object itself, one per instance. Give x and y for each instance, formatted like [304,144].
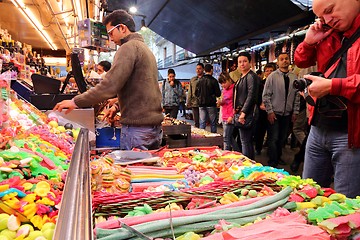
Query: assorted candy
[34,157]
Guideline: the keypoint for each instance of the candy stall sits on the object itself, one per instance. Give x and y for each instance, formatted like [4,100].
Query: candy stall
[50,190]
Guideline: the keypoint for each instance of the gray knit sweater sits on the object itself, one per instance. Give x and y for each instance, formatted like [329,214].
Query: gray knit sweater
[133,78]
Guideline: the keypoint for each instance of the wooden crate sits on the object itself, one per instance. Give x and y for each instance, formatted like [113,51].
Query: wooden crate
[177,135]
[176,141]
[207,141]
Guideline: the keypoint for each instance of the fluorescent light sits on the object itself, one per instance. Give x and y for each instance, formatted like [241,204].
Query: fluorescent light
[262,45]
[33,20]
[78,9]
[60,4]
[54,61]
[282,38]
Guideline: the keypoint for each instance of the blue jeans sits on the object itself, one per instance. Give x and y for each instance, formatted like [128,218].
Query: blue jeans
[229,141]
[277,134]
[327,154]
[247,147]
[144,137]
[205,113]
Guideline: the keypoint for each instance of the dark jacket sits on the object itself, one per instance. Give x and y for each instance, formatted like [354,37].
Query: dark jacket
[171,95]
[207,90]
[246,93]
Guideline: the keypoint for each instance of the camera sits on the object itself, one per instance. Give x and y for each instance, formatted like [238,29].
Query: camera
[302,83]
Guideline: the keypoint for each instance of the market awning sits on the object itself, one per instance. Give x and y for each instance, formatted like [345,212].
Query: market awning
[202,27]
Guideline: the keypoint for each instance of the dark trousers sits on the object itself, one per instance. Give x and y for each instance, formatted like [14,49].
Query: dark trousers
[172,111]
[260,130]
[277,135]
[196,117]
[182,108]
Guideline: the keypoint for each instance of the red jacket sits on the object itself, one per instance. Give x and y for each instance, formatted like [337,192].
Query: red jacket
[349,87]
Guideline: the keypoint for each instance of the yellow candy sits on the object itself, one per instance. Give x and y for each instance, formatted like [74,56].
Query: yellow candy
[9,196]
[29,198]
[4,187]
[46,201]
[27,186]
[42,188]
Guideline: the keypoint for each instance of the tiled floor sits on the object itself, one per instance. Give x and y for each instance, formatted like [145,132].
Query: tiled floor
[288,152]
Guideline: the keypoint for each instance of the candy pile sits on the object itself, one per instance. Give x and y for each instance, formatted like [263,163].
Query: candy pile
[34,156]
[109,177]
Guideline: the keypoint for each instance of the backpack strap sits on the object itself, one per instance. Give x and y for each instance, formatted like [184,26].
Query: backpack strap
[343,49]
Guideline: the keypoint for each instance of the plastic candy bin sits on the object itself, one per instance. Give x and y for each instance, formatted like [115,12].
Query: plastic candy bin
[108,137]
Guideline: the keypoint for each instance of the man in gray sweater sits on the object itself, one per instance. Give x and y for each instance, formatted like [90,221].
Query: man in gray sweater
[133,78]
[282,106]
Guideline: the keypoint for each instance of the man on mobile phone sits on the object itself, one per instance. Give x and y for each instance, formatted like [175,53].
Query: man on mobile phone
[333,146]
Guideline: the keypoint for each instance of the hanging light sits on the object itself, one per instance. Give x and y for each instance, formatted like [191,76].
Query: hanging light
[132,9]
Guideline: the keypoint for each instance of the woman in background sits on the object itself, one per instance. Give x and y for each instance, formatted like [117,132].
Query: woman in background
[245,97]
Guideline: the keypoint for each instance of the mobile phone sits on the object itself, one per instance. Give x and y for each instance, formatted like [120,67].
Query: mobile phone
[325,27]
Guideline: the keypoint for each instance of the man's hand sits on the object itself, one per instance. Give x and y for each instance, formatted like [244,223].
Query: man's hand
[293,118]
[271,118]
[111,101]
[241,118]
[317,32]
[65,104]
[262,106]
[319,87]
[110,114]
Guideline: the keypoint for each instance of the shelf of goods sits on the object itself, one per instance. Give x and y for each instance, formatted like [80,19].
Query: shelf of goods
[187,193]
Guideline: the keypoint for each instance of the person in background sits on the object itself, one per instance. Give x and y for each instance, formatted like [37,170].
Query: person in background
[192,100]
[227,110]
[234,72]
[172,91]
[262,123]
[333,145]
[282,106]
[260,73]
[133,77]
[245,97]
[103,67]
[207,90]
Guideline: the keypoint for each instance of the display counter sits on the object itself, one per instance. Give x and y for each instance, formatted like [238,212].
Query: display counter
[75,220]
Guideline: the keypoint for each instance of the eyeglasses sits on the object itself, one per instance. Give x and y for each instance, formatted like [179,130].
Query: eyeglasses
[112,29]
